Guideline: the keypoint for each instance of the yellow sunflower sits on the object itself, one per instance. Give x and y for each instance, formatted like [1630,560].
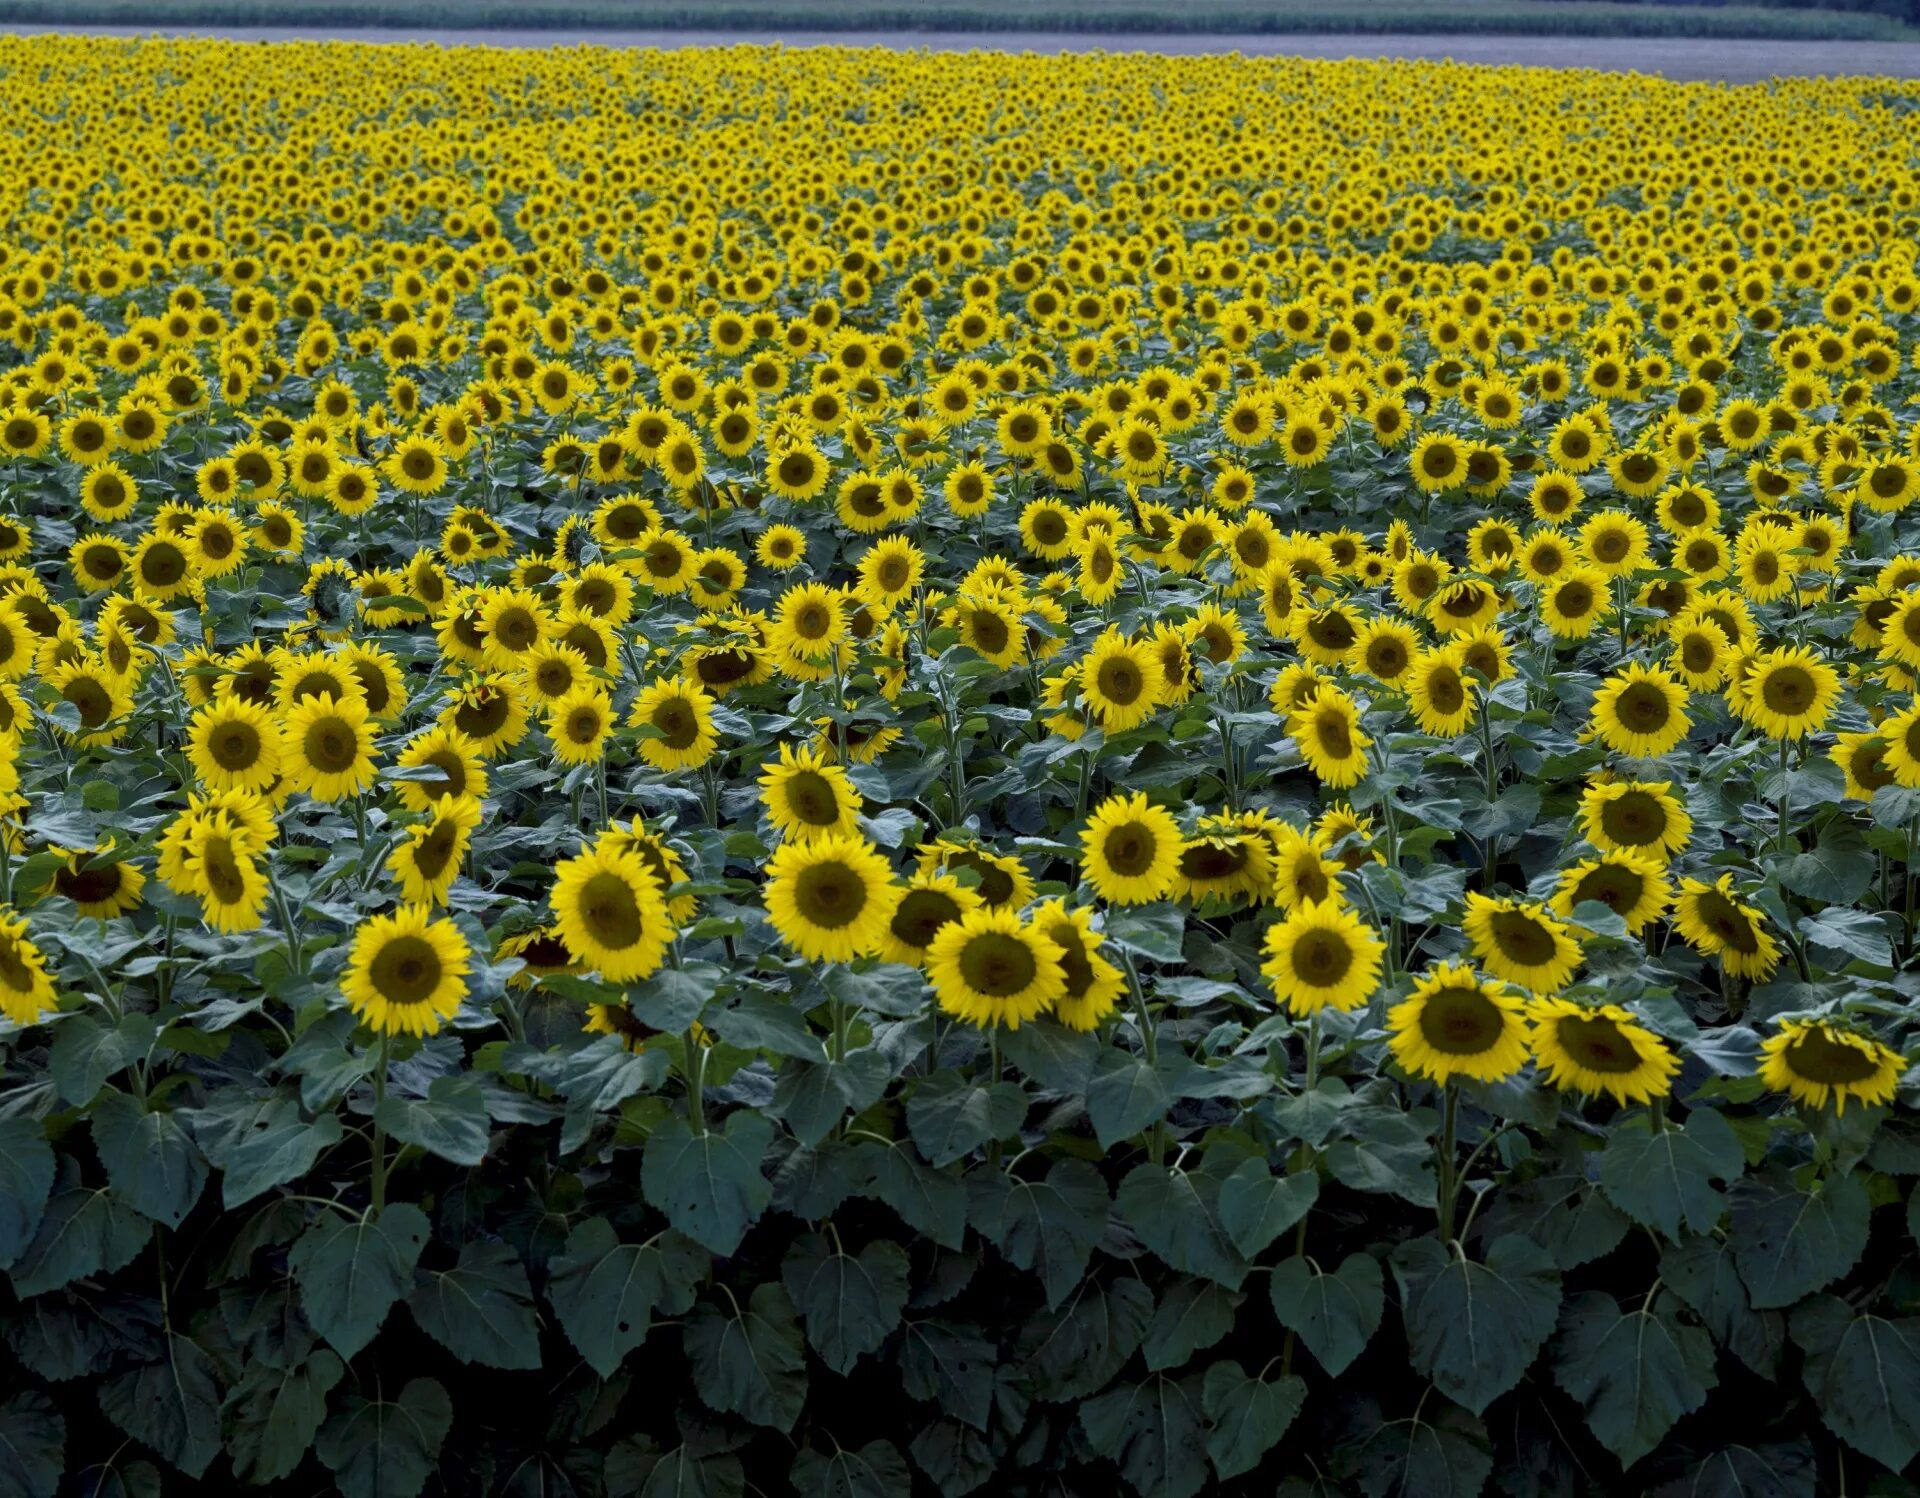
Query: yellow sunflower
[1093,985]
[407,972]
[609,908]
[831,898]
[1457,1024]
[234,744]
[26,992]
[1328,733]
[327,747]
[990,968]
[931,901]
[1131,850]
[1817,1062]
[427,858]
[1520,942]
[1715,923]
[1322,956]
[1600,1048]
[1640,712]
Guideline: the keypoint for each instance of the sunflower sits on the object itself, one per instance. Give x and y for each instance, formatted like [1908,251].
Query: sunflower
[930,902]
[999,878]
[1715,923]
[1600,1048]
[1520,942]
[1640,712]
[831,898]
[1457,1024]
[1131,850]
[1322,955]
[1787,693]
[1093,986]
[807,797]
[1817,1062]
[1439,693]
[579,725]
[1385,648]
[489,712]
[1438,463]
[1865,761]
[609,909]
[1327,731]
[1632,886]
[428,856]
[681,714]
[1302,872]
[26,992]
[1573,603]
[100,885]
[326,747]
[234,744]
[444,763]
[1635,816]
[1225,864]
[406,973]
[1120,682]
[989,968]
[220,862]
[99,695]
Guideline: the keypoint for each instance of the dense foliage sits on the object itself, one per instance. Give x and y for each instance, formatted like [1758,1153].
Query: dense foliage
[857,773]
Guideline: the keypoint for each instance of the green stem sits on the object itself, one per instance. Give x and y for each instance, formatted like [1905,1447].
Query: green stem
[1449,1130]
[696,1057]
[379,1183]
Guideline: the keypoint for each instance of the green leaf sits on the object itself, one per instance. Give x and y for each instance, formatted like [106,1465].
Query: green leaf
[1155,932]
[1474,1328]
[33,1441]
[85,1053]
[1176,1213]
[814,1096]
[1863,1371]
[1563,1211]
[26,1181]
[450,1121]
[1335,1314]
[1837,869]
[876,1470]
[151,1164]
[605,1292]
[950,1115]
[1154,1430]
[1701,1271]
[950,1366]
[673,998]
[481,1310]
[1052,1055]
[274,1413]
[172,1406]
[927,1200]
[1438,1452]
[1249,1415]
[636,1469]
[1048,1226]
[709,1185]
[1077,1349]
[1662,1179]
[1853,935]
[1257,1206]
[1124,1096]
[1637,1372]
[1789,1242]
[1191,1316]
[1773,1469]
[351,1270]
[958,1460]
[1385,1151]
[848,1303]
[260,1141]
[748,1361]
[83,1232]
[387,1448]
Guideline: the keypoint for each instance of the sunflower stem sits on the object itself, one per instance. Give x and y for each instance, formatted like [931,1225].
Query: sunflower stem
[696,1058]
[285,913]
[1449,1133]
[1657,1115]
[993,1045]
[378,1190]
[1785,798]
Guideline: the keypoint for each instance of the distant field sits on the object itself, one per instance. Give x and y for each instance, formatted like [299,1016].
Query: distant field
[1253,17]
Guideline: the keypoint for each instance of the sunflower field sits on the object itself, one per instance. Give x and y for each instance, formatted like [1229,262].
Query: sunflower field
[858,773]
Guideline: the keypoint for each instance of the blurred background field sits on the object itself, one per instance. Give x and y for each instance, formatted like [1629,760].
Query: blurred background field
[1835,20]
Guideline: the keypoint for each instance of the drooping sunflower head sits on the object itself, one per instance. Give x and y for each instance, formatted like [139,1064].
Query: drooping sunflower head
[1818,1063]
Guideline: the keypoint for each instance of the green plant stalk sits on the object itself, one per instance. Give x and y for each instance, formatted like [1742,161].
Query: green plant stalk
[378,1184]
[1449,1133]
[696,1061]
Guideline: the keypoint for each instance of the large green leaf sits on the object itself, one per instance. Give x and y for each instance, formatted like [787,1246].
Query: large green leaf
[481,1310]
[1155,1430]
[605,1292]
[387,1448]
[172,1407]
[1438,1451]
[748,1360]
[813,1097]
[1257,1206]
[876,1470]
[1077,1349]
[1790,1242]
[950,1366]
[85,1053]
[1773,1469]
[1663,1178]
[1384,1150]
[33,1439]
[1636,1371]
[1335,1312]
[1475,1327]
[351,1269]
[1863,1370]
[26,1181]
[927,1200]
[1248,1416]
[151,1163]
[847,1302]
[950,1115]
[260,1141]
[636,1468]
[273,1415]
[1124,1095]
[709,1185]
[1176,1213]
[83,1232]
[450,1121]
[1049,1225]
[1192,1315]
[958,1459]
[1702,1272]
